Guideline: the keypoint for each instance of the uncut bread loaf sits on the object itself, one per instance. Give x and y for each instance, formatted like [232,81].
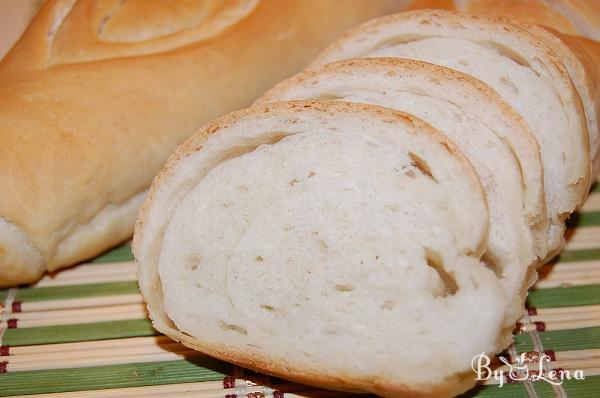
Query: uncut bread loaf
[96,94]
[573,17]
[521,68]
[296,237]
[494,138]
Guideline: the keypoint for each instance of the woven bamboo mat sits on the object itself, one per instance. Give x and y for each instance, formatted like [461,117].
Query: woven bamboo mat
[84,332]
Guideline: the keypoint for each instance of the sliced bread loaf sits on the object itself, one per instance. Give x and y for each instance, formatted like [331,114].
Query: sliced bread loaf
[581,57]
[497,142]
[296,237]
[523,70]
[573,17]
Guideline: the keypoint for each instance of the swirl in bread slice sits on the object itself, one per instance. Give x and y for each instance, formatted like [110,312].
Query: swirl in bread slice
[526,73]
[495,139]
[330,243]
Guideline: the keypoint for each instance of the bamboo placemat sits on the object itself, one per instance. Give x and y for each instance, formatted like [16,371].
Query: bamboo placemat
[85,332]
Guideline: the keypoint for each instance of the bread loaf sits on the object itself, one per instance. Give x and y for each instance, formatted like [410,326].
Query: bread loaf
[96,94]
[494,138]
[514,63]
[573,17]
[321,242]
[353,247]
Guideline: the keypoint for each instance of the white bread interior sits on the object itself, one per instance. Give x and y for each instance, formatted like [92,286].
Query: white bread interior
[493,137]
[293,238]
[514,63]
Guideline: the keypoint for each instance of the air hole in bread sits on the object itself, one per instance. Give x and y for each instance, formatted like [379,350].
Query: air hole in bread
[434,260]
[388,304]
[506,81]
[508,53]
[394,41]
[323,245]
[422,165]
[194,262]
[492,265]
[344,288]
[266,139]
[233,328]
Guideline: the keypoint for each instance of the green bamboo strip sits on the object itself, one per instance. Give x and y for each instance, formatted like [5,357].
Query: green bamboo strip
[570,256]
[588,388]
[561,340]
[30,294]
[80,332]
[523,342]
[586,219]
[564,296]
[493,391]
[543,390]
[574,339]
[119,253]
[113,376]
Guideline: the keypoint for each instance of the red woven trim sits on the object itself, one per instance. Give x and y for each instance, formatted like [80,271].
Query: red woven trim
[550,354]
[519,328]
[540,326]
[256,394]
[228,382]
[16,306]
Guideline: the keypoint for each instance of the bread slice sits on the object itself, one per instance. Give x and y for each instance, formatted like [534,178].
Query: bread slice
[95,96]
[525,72]
[581,57]
[483,127]
[573,17]
[296,237]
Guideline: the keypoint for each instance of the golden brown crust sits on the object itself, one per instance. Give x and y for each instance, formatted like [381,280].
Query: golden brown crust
[150,282]
[85,124]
